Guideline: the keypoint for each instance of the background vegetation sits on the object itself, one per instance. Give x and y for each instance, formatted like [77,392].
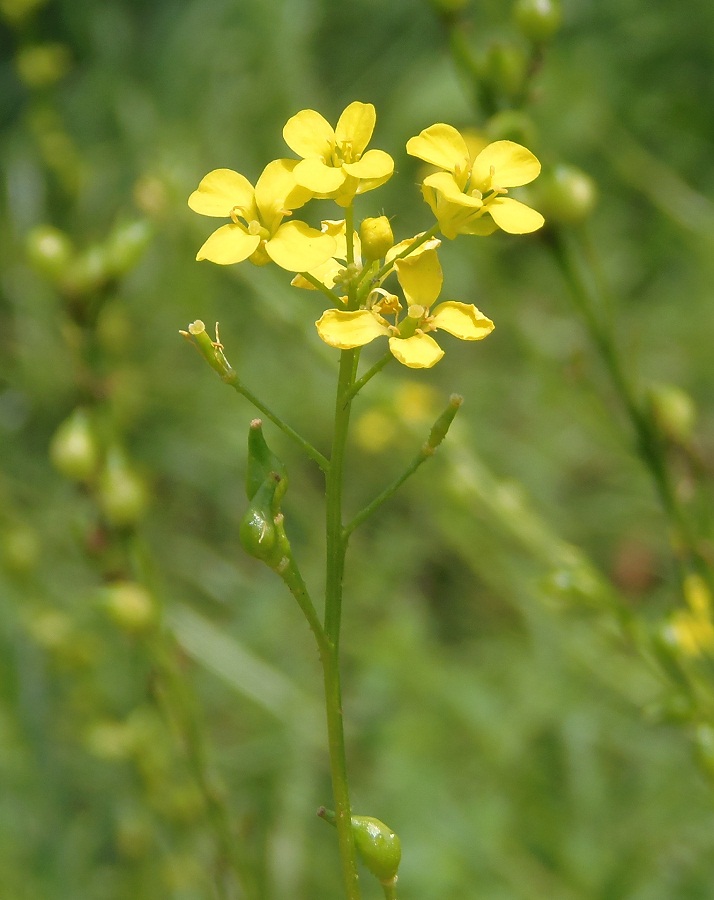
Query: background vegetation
[499,718]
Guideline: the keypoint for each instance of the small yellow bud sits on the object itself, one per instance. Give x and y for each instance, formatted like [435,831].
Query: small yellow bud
[376,237]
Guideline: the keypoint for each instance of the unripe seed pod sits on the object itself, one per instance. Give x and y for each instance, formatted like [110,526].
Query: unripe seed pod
[49,250]
[567,195]
[130,605]
[125,246]
[262,462]
[258,532]
[73,449]
[376,237]
[123,496]
[378,845]
[538,20]
[674,411]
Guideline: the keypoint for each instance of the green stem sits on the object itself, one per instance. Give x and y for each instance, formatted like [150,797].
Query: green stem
[231,378]
[436,436]
[336,545]
[587,294]
[390,890]
[323,288]
[369,375]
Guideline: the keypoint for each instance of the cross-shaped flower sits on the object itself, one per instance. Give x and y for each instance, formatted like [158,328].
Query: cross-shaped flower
[470,188]
[410,342]
[334,162]
[257,231]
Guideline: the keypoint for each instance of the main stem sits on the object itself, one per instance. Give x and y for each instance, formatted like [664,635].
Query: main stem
[336,543]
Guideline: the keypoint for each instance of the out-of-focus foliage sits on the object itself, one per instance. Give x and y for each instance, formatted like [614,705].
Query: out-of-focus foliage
[496,717]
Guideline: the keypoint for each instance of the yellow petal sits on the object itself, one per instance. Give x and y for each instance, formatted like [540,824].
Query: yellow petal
[228,244]
[276,191]
[418,352]
[442,146]
[354,128]
[447,186]
[298,248]
[514,217]
[219,192]
[309,134]
[420,277]
[462,320]
[318,177]
[374,164]
[513,166]
[347,330]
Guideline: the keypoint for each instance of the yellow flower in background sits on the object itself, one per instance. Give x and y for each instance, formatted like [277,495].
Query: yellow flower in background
[257,231]
[470,187]
[693,629]
[335,162]
[410,341]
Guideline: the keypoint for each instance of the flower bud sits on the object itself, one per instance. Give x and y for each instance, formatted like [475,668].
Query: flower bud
[567,195]
[538,20]
[49,250]
[73,450]
[376,237]
[511,125]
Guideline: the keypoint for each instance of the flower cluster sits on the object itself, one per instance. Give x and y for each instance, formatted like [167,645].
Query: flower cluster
[467,196]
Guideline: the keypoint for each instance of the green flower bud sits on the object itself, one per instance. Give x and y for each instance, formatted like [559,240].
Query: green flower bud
[49,250]
[262,462]
[86,273]
[123,496]
[566,195]
[538,20]
[375,237]
[74,450]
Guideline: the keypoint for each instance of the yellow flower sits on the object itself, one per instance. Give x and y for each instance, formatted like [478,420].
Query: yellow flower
[257,231]
[333,272]
[421,278]
[334,162]
[471,187]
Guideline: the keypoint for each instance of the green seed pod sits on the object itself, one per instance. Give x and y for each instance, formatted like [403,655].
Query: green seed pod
[262,463]
[538,20]
[130,606]
[258,532]
[376,237]
[126,243]
[674,411]
[379,847]
[123,495]
[49,250]
[73,450]
[566,195]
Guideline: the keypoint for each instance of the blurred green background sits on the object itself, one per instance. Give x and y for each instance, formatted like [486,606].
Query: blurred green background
[496,718]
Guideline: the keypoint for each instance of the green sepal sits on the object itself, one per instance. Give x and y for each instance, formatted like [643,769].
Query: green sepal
[262,462]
